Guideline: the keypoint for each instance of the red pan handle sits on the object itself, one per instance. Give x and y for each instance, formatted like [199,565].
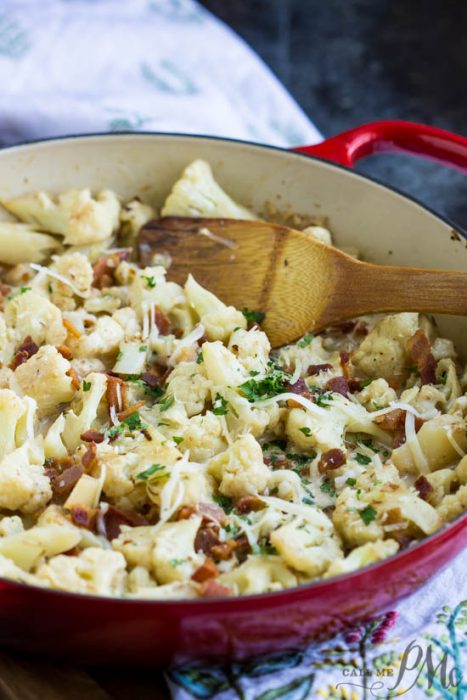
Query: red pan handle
[392,137]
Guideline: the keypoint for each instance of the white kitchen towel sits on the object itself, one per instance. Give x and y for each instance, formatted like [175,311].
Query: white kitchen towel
[80,66]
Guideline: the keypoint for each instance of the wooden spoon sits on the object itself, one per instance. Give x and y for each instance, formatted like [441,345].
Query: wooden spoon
[300,283]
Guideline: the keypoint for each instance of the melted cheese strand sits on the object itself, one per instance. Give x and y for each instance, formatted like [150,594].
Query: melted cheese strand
[414,445]
[59,278]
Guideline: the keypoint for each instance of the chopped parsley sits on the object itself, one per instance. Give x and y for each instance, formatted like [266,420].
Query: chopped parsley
[323,399]
[365,382]
[305,341]
[274,491]
[177,439]
[224,502]
[20,291]
[132,422]
[153,469]
[308,501]
[271,385]
[143,348]
[263,547]
[220,406]
[166,403]
[362,459]
[200,358]
[253,316]
[150,281]
[177,562]
[86,385]
[327,487]
[368,514]
[350,481]
[306,431]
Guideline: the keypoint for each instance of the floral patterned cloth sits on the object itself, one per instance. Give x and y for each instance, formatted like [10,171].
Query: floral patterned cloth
[78,66]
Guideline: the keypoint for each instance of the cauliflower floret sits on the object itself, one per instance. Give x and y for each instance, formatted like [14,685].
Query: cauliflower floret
[310,353]
[363,556]
[218,319]
[127,319]
[75,214]
[76,424]
[383,353]
[29,245]
[6,375]
[243,416]
[442,482]
[44,378]
[425,399]
[203,436]
[131,358]
[94,571]
[252,349]
[86,365]
[133,216]
[443,348]
[23,483]
[29,547]
[453,505]
[53,445]
[327,432]
[76,268]
[16,419]
[8,569]
[136,543]
[11,525]
[150,288]
[30,313]
[437,440]
[173,555]
[240,468]
[198,194]
[260,574]
[189,385]
[307,545]
[319,232]
[103,340]
[221,366]
[378,394]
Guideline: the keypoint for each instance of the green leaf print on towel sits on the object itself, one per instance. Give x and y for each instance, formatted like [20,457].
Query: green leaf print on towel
[169,78]
[14,41]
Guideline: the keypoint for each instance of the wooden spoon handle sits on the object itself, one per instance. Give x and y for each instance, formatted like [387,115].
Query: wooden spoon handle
[377,288]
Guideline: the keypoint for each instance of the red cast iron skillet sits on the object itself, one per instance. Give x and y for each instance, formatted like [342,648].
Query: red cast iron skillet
[96,630]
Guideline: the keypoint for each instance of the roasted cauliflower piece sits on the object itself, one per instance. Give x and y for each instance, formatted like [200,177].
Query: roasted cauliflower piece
[23,483]
[94,571]
[240,469]
[260,574]
[219,320]
[173,554]
[362,556]
[383,353]
[30,246]
[45,377]
[31,314]
[29,547]
[77,270]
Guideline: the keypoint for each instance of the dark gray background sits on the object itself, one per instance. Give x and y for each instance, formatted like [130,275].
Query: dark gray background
[351,61]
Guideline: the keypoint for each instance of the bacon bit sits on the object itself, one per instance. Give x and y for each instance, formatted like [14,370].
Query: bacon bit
[92,436]
[206,537]
[104,269]
[73,552]
[402,539]
[115,517]
[332,459]
[224,550]
[152,380]
[362,328]
[89,456]
[84,517]
[166,374]
[178,333]
[75,380]
[346,326]
[424,488]
[355,385]
[112,394]
[27,349]
[71,328]
[206,571]
[186,512]
[204,339]
[4,289]
[63,482]
[394,422]
[64,351]
[146,434]
[419,349]
[393,515]
[211,588]
[210,511]
[313,370]
[301,388]
[162,321]
[344,358]
[128,411]
[280,460]
[247,504]
[339,385]
[242,548]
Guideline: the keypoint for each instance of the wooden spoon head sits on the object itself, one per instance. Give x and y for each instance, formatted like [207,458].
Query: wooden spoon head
[285,273]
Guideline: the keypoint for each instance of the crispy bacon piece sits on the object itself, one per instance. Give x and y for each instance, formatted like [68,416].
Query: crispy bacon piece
[92,436]
[116,394]
[313,370]
[84,517]
[211,588]
[115,517]
[332,459]
[424,488]
[242,548]
[419,349]
[277,460]
[207,570]
[339,385]
[213,512]
[128,411]
[104,269]
[63,482]
[4,289]
[152,380]
[206,538]
[71,328]
[162,321]
[224,550]
[89,456]
[394,422]
[65,351]
[247,504]
[204,339]
[75,380]
[355,385]
[186,512]
[344,359]
[301,388]
[27,349]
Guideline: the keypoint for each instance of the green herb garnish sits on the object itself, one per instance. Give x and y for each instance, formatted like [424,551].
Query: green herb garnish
[177,562]
[20,291]
[362,459]
[253,316]
[368,514]
[143,348]
[220,406]
[305,341]
[86,385]
[224,502]
[166,403]
[323,399]
[150,281]
[271,385]
[200,358]
[327,487]
[306,431]
[150,471]
[350,481]
[177,439]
